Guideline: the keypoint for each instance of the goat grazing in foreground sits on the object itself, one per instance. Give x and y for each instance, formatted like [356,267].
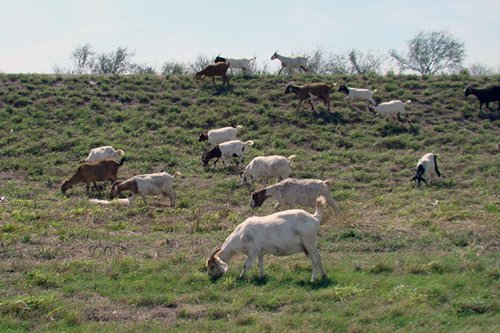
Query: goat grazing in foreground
[265,167]
[226,151]
[291,62]
[213,70]
[426,167]
[307,91]
[87,173]
[281,234]
[219,135]
[485,96]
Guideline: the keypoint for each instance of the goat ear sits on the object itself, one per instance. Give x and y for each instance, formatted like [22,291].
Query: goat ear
[214,252]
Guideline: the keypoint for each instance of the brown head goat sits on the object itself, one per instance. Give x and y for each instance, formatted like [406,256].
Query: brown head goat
[212,70]
[305,92]
[87,173]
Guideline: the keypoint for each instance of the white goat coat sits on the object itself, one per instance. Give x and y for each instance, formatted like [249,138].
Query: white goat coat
[265,167]
[233,148]
[220,135]
[294,192]
[292,62]
[391,108]
[281,234]
[102,153]
[427,161]
[242,63]
[360,94]
[154,184]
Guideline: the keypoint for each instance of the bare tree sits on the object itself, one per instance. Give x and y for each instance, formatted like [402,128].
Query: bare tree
[200,63]
[431,52]
[365,62]
[83,59]
[480,69]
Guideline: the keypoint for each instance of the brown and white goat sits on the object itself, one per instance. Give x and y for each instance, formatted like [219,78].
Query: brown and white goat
[147,184]
[305,92]
[92,172]
[212,70]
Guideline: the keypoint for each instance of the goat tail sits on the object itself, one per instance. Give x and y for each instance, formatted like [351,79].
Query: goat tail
[177,173]
[120,153]
[320,208]
[408,101]
[239,127]
[291,157]
[249,143]
[328,182]
[122,160]
[374,91]
[436,166]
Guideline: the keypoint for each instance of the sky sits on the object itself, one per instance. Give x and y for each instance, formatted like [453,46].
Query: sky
[36,35]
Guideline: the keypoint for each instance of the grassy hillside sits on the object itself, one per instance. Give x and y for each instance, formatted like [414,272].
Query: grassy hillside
[400,258]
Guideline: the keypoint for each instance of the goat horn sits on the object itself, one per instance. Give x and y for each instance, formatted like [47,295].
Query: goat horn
[214,251]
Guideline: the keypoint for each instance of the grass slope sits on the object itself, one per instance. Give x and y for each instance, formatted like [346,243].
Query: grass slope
[399,259]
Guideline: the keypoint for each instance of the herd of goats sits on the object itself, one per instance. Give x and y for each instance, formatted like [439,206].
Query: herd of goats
[283,233]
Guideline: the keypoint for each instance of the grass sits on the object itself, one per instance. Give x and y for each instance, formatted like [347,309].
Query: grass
[400,258]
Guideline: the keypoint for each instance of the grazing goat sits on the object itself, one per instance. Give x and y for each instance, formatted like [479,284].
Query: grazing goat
[392,109]
[226,151]
[293,192]
[147,184]
[243,63]
[219,135]
[307,91]
[357,94]
[280,234]
[87,173]
[486,95]
[426,167]
[102,153]
[213,70]
[265,167]
[291,62]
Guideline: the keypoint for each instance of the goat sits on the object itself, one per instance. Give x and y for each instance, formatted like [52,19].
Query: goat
[243,63]
[102,153]
[265,167]
[357,94]
[291,62]
[391,109]
[307,91]
[87,173]
[219,135]
[426,167]
[293,192]
[225,151]
[147,184]
[212,70]
[281,234]
[486,95]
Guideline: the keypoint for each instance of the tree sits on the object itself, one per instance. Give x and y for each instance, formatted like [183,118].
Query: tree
[480,69]
[115,62]
[174,68]
[431,52]
[83,59]
[364,63]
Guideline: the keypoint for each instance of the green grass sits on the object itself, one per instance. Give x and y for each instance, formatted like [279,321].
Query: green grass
[399,258]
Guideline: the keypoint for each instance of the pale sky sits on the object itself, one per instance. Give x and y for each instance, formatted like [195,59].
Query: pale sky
[38,34]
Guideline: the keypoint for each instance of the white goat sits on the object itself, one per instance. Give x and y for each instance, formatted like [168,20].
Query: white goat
[391,109]
[265,167]
[291,62]
[294,192]
[242,63]
[219,135]
[102,153]
[426,167]
[357,94]
[147,184]
[226,151]
[281,234]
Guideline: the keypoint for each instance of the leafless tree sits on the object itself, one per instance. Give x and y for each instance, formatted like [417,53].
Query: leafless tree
[114,62]
[365,62]
[431,52]
[83,59]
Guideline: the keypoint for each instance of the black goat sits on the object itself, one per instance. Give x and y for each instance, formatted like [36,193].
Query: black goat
[486,95]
